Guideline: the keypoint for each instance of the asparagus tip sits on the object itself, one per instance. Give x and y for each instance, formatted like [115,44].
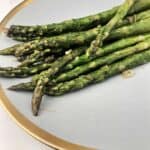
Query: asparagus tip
[35,110]
[17,87]
[3,52]
[36,99]
[12,88]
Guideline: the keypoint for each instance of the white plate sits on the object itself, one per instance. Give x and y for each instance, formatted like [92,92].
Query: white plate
[113,115]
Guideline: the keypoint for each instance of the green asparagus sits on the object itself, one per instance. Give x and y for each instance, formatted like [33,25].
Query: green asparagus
[35,57]
[31,32]
[127,21]
[25,71]
[82,38]
[134,18]
[120,44]
[44,78]
[105,31]
[89,67]
[94,77]
[101,74]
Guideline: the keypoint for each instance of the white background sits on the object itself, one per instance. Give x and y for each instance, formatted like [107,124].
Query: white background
[13,137]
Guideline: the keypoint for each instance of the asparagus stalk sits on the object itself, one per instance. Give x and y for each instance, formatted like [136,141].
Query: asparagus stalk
[97,76]
[28,86]
[19,53]
[67,40]
[82,38]
[106,60]
[128,20]
[79,60]
[10,50]
[44,79]
[120,44]
[105,31]
[101,74]
[25,71]
[35,57]
[134,18]
[92,65]
[31,32]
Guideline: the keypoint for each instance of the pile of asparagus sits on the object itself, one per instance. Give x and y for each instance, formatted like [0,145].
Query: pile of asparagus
[73,54]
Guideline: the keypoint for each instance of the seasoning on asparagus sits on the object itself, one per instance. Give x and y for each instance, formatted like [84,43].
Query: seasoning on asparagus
[97,76]
[120,44]
[102,61]
[128,20]
[25,71]
[134,18]
[35,57]
[82,38]
[101,74]
[92,65]
[73,25]
[79,60]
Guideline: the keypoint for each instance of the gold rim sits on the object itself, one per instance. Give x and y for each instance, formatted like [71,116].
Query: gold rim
[20,119]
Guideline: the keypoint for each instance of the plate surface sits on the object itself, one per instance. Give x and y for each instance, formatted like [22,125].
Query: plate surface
[112,115]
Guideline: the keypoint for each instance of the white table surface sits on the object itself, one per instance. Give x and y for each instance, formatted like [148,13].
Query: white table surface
[13,137]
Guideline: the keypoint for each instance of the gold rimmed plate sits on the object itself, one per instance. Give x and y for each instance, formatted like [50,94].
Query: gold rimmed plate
[112,115]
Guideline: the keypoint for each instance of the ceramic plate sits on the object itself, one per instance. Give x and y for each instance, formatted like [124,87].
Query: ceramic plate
[113,115]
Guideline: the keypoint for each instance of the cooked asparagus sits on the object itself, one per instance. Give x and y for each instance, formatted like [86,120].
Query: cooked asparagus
[120,44]
[35,57]
[92,65]
[105,31]
[83,59]
[44,78]
[101,74]
[102,61]
[25,71]
[94,77]
[82,38]
[31,32]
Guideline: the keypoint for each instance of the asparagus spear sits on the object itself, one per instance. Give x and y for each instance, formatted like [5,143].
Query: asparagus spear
[101,74]
[134,18]
[94,77]
[120,44]
[81,38]
[44,78]
[80,24]
[35,57]
[106,60]
[105,31]
[128,20]
[99,61]
[10,50]
[28,86]
[19,53]
[25,71]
